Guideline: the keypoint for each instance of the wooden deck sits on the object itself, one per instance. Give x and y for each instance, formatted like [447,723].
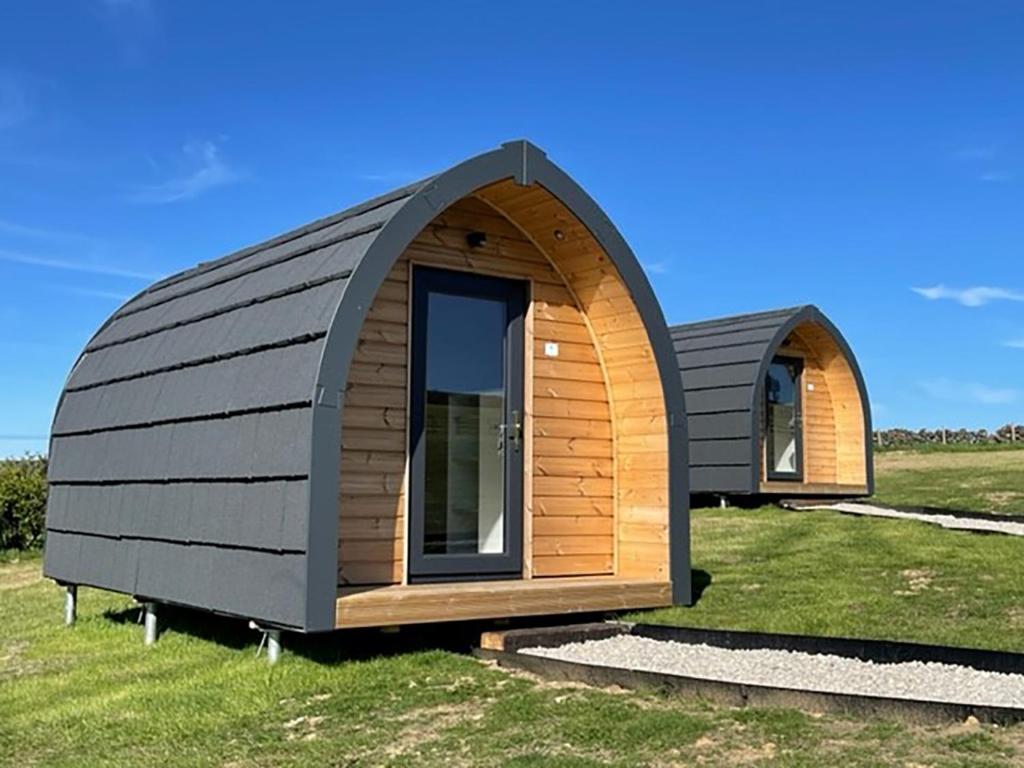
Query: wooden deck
[423,603]
[813,489]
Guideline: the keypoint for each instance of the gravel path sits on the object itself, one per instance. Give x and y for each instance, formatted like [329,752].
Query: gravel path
[946,521]
[926,681]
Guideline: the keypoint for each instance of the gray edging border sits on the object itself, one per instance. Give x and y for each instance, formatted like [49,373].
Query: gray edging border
[741,694]
[878,651]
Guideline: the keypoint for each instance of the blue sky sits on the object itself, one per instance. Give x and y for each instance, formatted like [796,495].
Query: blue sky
[754,154]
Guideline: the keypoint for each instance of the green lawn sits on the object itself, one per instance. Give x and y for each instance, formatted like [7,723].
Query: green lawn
[979,481]
[94,696]
[829,574]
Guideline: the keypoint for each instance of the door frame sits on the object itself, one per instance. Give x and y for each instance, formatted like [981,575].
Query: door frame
[798,417]
[422,567]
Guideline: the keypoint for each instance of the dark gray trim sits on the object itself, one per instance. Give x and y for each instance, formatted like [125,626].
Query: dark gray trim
[798,415]
[526,164]
[507,564]
[810,314]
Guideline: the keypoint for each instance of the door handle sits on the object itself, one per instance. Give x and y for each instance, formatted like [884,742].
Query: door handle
[511,432]
[517,430]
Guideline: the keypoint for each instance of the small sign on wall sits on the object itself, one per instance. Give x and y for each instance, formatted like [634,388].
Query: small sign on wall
[810,387]
[550,349]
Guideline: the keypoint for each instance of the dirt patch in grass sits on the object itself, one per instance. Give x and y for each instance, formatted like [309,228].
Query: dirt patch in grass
[1002,498]
[423,726]
[917,580]
[21,575]
[304,727]
[748,754]
[10,656]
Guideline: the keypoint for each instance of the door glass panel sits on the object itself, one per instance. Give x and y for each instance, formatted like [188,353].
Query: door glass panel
[464,483]
[781,387]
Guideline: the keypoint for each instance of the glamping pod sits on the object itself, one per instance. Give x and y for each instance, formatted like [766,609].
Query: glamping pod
[776,404]
[455,401]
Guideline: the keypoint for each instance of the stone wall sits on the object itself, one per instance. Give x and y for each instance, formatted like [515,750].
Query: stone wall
[897,438]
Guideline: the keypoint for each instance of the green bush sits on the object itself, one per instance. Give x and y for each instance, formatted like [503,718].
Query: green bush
[22,502]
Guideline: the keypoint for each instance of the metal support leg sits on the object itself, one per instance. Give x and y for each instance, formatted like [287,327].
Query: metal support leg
[273,645]
[70,604]
[149,623]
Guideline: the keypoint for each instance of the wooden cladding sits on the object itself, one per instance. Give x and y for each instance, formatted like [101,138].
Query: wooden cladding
[633,390]
[833,415]
[596,475]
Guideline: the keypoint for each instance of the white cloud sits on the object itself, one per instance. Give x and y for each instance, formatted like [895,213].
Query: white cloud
[658,267]
[51,235]
[94,293]
[1014,343]
[75,266]
[969,391]
[207,170]
[976,296]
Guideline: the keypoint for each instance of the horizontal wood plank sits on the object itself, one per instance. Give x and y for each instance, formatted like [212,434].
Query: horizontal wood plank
[423,603]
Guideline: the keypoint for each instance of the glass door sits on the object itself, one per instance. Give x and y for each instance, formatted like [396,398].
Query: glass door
[465,437]
[783,419]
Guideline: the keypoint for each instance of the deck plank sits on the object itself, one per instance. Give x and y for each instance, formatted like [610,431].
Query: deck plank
[398,604]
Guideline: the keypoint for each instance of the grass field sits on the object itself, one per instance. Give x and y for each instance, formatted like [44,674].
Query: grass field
[978,481]
[95,696]
[829,574]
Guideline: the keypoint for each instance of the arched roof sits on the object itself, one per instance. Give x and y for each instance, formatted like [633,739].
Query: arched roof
[723,363]
[195,449]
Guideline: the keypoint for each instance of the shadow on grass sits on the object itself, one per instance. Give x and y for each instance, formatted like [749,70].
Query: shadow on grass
[339,646]
[699,581]
[456,637]
[345,645]
[202,625]
[737,501]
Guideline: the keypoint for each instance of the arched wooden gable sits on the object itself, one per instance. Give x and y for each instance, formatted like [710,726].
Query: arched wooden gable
[599,482]
[723,364]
